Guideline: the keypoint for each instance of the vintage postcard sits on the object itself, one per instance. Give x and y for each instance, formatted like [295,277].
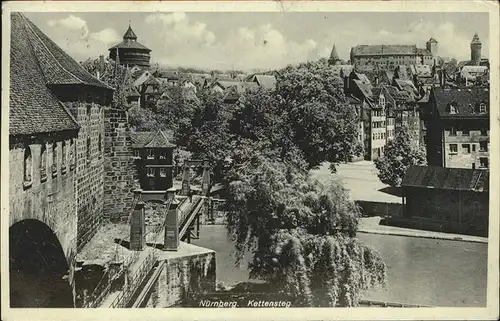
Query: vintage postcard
[250,160]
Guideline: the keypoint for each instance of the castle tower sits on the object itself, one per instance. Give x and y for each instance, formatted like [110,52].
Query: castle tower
[334,57]
[432,46]
[131,52]
[475,50]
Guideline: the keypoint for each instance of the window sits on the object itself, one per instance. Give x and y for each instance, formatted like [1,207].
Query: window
[473,165]
[453,149]
[483,162]
[453,131]
[163,172]
[483,146]
[472,110]
[473,147]
[151,154]
[99,142]
[28,166]
[465,148]
[88,149]
[137,153]
[54,159]
[63,152]
[43,163]
[163,154]
[484,132]
[151,172]
[465,132]
[482,108]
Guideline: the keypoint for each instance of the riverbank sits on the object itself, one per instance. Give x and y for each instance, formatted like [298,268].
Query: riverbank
[420,271]
[371,225]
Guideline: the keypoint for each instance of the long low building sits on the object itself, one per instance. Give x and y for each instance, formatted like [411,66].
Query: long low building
[455,198]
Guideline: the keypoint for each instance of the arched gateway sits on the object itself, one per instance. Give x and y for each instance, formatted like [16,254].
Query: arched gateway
[38,267]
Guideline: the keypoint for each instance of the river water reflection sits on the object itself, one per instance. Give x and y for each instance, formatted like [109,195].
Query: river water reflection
[419,271]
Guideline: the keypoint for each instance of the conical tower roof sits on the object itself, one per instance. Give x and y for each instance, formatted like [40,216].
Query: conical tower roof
[130,34]
[334,56]
[475,39]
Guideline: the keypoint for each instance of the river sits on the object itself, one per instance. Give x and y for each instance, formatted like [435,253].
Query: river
[419,271]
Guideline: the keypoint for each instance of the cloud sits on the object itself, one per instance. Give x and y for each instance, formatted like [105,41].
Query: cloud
[72,33]
[190,43]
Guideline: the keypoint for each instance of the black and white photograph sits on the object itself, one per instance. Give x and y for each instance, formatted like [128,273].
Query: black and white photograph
[157,157]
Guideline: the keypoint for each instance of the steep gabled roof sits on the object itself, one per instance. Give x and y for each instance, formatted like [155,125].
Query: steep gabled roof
[57,66]
[158,139]
[460,179]
[265,81]
[34,65]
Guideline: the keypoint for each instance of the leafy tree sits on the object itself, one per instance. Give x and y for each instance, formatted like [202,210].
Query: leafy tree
[400,154]
[451,68]
[142,119]
[315,110]
[302,234]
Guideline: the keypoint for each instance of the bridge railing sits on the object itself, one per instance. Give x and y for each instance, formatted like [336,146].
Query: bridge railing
[104,286]
[137,279]
[187,216]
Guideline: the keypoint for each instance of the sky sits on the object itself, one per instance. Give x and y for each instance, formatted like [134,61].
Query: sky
[267,40]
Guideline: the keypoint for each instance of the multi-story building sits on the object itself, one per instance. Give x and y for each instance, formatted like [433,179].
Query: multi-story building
[458,127]
[153,154]
[390,56]
[378,126]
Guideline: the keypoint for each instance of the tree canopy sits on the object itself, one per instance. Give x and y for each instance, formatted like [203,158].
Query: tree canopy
[302,234]
[400,154]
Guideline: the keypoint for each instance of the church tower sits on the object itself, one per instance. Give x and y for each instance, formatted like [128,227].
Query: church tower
[432,46]
[475,50]
[334,57]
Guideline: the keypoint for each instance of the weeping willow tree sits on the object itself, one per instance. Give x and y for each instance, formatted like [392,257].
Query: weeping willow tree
[302,234]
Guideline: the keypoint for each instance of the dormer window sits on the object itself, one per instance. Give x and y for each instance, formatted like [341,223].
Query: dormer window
[453,108]
[151,154]
[482,108]
[28,167]
[472,109]
[381,101]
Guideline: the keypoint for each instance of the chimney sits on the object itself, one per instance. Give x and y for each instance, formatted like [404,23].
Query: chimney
[138,224]
[171,240]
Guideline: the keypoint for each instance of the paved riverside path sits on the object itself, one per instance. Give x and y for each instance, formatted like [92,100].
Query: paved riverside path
[371,225]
